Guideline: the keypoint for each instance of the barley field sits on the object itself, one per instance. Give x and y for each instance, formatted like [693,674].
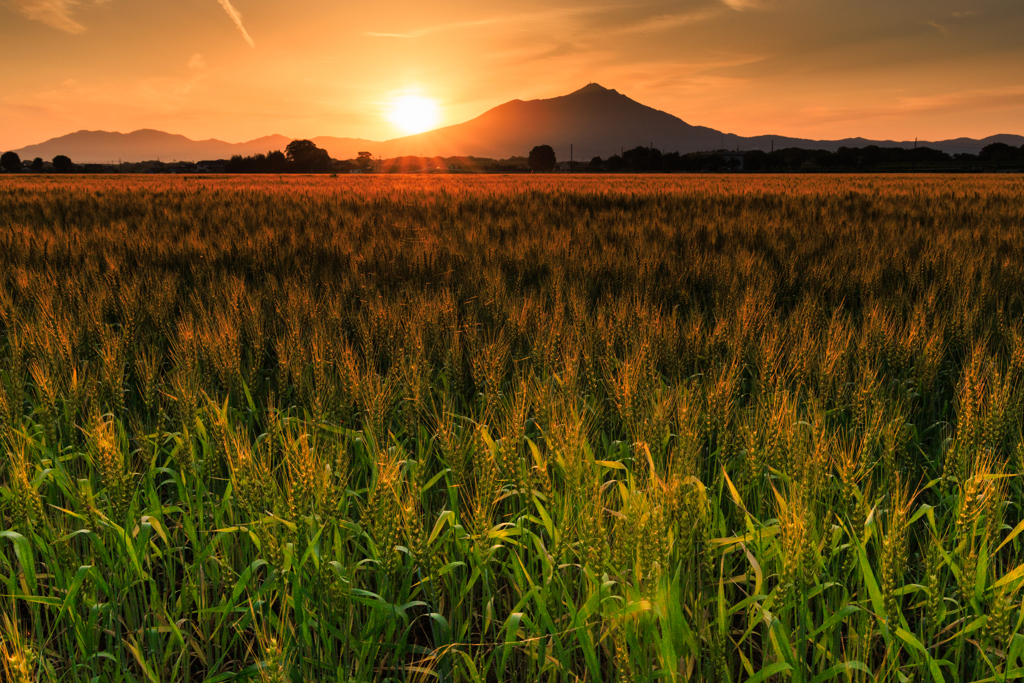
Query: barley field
[487,429]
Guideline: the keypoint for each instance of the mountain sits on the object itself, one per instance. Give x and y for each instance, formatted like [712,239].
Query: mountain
[597,121]
[97,146]
[593,121]
[954,146]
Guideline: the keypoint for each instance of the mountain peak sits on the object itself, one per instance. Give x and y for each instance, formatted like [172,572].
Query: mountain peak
[591,89]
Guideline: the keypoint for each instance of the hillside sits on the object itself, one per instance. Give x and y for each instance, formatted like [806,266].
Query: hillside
[593,121]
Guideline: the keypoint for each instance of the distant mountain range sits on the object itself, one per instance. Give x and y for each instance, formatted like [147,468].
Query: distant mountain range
[101,147]
[593,121]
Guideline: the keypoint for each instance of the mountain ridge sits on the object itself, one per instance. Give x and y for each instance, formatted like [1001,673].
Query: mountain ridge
[591,121]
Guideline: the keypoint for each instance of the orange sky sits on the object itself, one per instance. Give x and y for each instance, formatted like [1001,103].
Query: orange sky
[240,69]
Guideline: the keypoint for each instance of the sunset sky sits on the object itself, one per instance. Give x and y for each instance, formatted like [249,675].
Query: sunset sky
[241,69]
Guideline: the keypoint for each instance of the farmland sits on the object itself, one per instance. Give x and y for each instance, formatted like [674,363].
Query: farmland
[714,428]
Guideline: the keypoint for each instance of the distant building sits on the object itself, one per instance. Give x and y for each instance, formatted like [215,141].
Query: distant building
[731,157]
[565,167]
[212,166]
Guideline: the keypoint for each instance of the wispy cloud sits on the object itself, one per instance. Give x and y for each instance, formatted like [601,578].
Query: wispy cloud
[237,18]
[54,13]
[983,99]
[420,33]
[666,22]
[510,20]
[197,62]
[742,5]
[944,27]
[59,14]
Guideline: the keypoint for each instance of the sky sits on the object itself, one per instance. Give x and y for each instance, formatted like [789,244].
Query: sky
[241,69]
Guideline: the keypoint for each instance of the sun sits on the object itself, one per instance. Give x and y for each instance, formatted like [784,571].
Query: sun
[414,114]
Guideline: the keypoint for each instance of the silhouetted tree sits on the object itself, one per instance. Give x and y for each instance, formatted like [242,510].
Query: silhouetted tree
[238,163]
[306,157]
[10,161]
[62,164]
[997,152]
[365,161]
[277,162]
[642,159]
[271,162]
[596,162]
[542,159]
[37,164]
[755,160]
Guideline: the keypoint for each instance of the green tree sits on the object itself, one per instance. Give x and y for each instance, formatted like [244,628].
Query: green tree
[542,159]
[10,161]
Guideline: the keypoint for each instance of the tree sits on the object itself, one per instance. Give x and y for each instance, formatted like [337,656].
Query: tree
[307,157]
[37,164]
[756,160]
[10,161]
[365,161]
[542,159]
[62,164]
[276,162]
[997,152]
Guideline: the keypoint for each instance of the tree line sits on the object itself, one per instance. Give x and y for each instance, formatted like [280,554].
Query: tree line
[303,156]
[12,163]
[872,157]
[300,156]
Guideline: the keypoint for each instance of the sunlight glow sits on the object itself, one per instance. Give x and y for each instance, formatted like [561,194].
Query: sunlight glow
[414,114]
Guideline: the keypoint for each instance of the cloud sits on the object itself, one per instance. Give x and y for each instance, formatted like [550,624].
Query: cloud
[197,62]
[538,18]
[54,13]
[666,22]
[977,100]
[237,18]
[742,5]
[433,29]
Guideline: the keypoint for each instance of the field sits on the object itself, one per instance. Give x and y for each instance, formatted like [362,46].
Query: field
[679,428]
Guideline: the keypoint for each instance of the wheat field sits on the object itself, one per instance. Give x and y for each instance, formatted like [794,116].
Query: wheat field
[483,429]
